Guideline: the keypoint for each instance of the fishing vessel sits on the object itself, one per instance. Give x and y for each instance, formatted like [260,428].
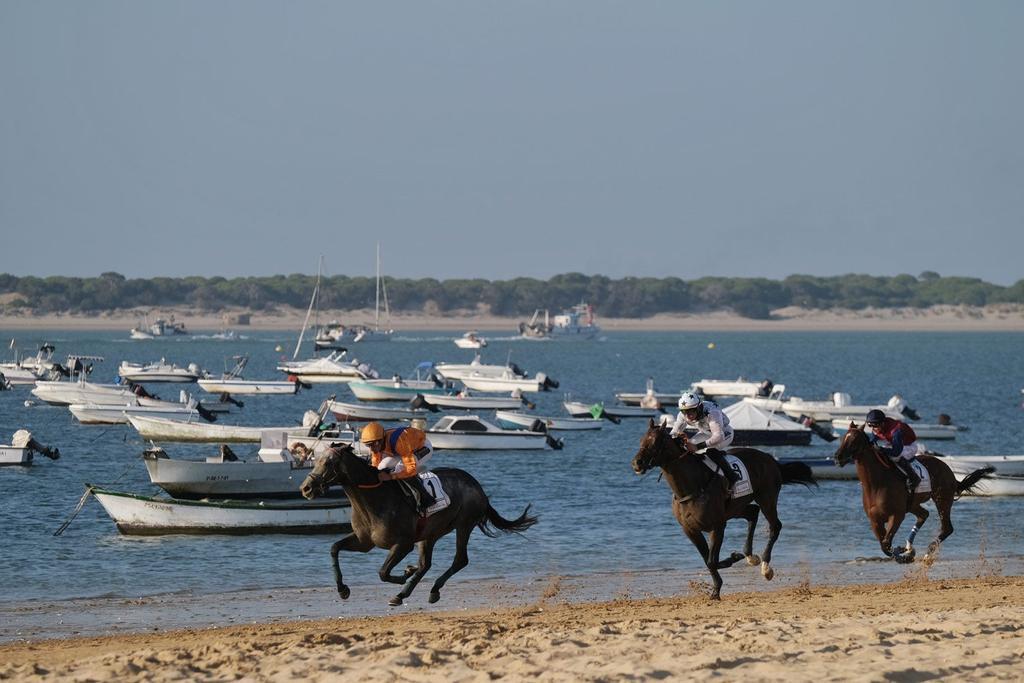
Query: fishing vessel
[574,323]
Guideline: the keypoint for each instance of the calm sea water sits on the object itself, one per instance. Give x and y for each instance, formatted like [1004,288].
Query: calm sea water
[597,517]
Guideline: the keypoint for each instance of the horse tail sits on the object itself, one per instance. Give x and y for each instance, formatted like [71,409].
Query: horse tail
[797,473]
[509,526]
[972,480]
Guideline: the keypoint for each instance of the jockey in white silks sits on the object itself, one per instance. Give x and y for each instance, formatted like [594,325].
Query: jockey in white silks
[714,433]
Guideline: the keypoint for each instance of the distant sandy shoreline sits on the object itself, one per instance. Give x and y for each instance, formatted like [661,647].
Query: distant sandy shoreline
[1006,317]
[914,629]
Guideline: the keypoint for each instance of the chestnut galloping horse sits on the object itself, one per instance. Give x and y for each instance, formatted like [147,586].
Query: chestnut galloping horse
[700,503]
[885,497]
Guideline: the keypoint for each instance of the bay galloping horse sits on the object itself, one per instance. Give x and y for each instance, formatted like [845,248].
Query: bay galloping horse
[700,502]
[885,497]
[384,517]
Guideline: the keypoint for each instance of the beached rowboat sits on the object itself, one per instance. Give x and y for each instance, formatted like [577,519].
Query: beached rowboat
[136,514]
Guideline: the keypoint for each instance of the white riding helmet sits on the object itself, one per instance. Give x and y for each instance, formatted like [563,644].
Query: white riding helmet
[689,401]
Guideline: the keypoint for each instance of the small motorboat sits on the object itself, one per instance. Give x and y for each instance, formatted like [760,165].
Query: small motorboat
[398,388]
[231,382]
[516,420]
[139,334]
[931,432]
[466,400]
[840,407]
[332,368]
[276,472]
[357,412]
[508,381]
[160,371]
[738,388]
[136,514]
[471,340]
[163,429]
[1006,465]
[470,432]
[649,398]
[23,446]
[477,368]
[597,410]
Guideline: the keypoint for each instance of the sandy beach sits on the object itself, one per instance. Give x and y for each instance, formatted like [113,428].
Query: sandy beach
[1004,317]
[912,630]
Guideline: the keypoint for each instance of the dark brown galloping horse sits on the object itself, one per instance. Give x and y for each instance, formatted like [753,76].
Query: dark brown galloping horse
[699,500]
[383,517]
[885,497]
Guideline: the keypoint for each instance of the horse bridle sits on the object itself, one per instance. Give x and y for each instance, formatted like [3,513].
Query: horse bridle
[679,456]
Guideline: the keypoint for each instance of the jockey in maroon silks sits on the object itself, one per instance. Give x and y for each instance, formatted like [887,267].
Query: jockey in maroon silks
[901,449]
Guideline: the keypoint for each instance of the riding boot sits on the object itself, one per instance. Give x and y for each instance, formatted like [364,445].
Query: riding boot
[718,457]
[912,478]
[423,498]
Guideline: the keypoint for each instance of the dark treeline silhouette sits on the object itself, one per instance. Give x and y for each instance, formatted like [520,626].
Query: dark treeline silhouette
[628,297]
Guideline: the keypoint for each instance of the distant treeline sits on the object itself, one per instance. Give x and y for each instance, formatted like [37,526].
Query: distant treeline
[628,297]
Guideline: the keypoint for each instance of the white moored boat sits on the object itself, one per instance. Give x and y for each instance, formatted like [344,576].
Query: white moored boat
[469,432]
[471,340]
[92,413]
[580,409]
[232,383]
[754,426]
[332,368]
[160,371]
[465,400]
[163,429]
[509,382]
[276,472]
[29,370]
[477,368]
[738,388]
[515,419]
[357,412]
[148,515]
[839,408]
[930,432]
[1008,479]
[22,448]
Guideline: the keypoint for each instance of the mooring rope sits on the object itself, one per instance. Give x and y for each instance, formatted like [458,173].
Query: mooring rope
[78,508]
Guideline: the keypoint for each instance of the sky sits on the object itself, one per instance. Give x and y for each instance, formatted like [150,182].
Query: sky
[502,139]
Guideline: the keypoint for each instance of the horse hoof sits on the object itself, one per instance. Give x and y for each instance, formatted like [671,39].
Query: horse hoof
[434,597]
[395,601]
[736,557]
[344,592]
[903,558]
[767,571]
[908,554]
[753,560]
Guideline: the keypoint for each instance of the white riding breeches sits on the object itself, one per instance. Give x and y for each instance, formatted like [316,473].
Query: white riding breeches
[394,464]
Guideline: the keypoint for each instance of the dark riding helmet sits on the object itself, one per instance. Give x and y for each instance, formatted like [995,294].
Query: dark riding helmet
[875,418]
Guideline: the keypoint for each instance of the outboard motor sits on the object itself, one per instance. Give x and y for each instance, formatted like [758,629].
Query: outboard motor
[765,388]
[546,383]
[819,429]
[226,454]
[417,402]
[225,397]
[899,405]
[516,370]
[610,418]
[552,442]
[205,414]
[24,439]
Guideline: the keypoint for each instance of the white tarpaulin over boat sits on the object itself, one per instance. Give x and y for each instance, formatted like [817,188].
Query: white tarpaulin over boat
[747,416]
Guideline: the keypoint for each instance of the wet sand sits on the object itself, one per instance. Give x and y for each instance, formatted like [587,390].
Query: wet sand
[1004,317]
[914,629]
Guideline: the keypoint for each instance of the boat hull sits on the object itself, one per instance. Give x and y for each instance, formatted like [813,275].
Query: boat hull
[577,409]
[516,420]
[486,441]
[369,391]
[474,402]
[11,455]
[932,432]
[148,516]
[157,429]
[503,384]
[196,479]
[250,387]
[351,412]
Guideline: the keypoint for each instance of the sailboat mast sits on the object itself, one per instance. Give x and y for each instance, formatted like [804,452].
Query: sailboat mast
[312,301]
[376,305]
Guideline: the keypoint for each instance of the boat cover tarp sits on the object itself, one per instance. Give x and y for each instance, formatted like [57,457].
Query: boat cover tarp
[743,415]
